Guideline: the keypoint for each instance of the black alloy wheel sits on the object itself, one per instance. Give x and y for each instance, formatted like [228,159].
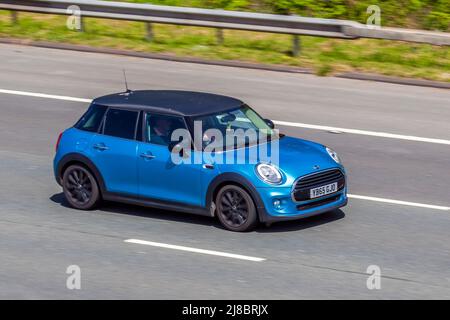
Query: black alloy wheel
[80,188]
[235,208]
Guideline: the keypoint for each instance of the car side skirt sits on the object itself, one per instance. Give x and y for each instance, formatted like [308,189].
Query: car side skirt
[156,203]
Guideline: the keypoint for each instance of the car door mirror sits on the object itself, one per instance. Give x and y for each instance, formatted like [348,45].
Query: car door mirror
[270,123]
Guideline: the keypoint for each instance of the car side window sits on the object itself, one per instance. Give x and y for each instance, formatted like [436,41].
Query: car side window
[92,119]
[121,123]
[159,128]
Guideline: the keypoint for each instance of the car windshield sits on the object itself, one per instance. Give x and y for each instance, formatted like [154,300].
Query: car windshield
[234,129]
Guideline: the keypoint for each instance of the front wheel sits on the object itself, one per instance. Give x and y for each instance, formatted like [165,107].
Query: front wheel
[80,188]
[235,209]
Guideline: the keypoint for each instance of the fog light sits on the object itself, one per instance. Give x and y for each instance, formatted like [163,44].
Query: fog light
[277,204]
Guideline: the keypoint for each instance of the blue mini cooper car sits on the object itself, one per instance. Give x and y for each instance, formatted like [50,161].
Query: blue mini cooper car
[122,149]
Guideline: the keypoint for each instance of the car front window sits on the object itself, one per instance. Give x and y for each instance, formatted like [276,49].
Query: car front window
[159,128]
[246,125]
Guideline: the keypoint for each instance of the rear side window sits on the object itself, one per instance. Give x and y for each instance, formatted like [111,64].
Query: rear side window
[92,119]
[121,123]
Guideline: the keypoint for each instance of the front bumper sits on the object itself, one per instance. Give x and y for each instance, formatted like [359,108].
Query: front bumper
[290,210]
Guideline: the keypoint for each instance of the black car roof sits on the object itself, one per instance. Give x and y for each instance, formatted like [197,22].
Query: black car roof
[185,103]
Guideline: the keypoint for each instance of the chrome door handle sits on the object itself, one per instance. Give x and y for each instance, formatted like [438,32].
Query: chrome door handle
[100,147]
[147,156]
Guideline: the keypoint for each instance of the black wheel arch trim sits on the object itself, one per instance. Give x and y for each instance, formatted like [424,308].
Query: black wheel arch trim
[235,178]
[77,157]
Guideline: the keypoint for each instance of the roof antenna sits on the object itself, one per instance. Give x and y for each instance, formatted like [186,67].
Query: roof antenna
[126,83]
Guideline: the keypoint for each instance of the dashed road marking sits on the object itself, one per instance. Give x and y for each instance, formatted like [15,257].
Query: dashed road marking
[195,250]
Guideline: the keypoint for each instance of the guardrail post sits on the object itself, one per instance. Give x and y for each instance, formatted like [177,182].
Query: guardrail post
[296,45]
[149,28]
[81,26]
[219,36]
[14,17]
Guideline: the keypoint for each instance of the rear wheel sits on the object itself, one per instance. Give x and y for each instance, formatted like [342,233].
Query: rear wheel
[235,209]
[80,188]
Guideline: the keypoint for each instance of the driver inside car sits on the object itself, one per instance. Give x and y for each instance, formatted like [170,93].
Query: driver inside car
[161,131]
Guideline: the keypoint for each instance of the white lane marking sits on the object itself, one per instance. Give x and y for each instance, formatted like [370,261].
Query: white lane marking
[43,95]
[403,203]
[361,132]
[279,122]
[189,249]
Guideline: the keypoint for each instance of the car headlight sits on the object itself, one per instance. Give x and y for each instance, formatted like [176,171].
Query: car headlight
[333,155]
[268,173]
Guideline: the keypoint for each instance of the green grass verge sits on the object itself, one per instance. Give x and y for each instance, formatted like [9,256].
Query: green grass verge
[325,56]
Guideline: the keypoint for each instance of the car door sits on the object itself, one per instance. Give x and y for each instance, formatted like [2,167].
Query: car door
[113,151]
[159,177]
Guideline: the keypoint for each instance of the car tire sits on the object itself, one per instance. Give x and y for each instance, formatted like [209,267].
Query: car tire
[235,209]
[80,188]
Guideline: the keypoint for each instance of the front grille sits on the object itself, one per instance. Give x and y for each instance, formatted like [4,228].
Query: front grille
[304,184]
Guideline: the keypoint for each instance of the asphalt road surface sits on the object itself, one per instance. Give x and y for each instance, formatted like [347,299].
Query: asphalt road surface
[321,257]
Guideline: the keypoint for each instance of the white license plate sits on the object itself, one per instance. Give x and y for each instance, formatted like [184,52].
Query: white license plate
[323,190]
